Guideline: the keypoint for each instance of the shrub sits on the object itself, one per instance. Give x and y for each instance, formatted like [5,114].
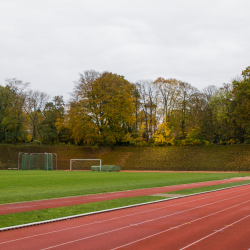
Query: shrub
[231,142]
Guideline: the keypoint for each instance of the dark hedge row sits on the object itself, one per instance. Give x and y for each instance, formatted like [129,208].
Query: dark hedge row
[184,158]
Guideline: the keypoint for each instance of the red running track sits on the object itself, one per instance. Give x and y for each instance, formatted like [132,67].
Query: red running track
[70,201]
[218,221]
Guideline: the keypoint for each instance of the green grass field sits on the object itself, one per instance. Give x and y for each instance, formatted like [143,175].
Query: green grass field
[18,186]
[208,188]
[53,213]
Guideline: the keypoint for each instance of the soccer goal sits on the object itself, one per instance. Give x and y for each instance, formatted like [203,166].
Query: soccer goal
[37,161]
[85,164]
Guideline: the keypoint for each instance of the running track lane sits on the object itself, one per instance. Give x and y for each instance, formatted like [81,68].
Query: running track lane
[64,202]
[218,220]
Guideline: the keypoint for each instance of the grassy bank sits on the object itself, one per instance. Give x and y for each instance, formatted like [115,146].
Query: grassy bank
[188,158]
[17,186]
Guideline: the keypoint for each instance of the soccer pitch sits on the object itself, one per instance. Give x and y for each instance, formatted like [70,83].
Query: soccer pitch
[18,186]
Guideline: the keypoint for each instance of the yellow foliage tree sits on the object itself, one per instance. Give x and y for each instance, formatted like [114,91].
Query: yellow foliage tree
[163,135]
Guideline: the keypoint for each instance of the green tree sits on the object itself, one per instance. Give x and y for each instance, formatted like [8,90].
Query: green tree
[12,99]
[246,73]
[241,105]
[4,93]
[221,103]
[206,117]
[137,106]
[52,113]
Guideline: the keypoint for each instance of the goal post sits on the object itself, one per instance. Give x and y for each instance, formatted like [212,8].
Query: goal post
[36,161]
[84,164]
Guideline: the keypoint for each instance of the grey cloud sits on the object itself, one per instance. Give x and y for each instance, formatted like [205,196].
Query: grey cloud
[49,42]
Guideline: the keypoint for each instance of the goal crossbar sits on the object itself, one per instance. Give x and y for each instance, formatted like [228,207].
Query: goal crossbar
[71,160]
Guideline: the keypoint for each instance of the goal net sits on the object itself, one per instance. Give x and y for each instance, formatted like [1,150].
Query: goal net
[37,161]
[84,164]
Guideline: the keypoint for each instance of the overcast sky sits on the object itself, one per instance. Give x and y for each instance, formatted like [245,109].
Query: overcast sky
[49,42]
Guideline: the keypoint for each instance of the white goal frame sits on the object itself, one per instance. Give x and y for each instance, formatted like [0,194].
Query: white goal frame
[71,160]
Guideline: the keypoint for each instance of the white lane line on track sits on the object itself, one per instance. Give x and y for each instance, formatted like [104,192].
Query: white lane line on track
[150,210]
[214,232]
[132,225]
[150,236]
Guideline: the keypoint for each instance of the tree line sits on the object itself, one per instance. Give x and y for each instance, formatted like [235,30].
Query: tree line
[106,109]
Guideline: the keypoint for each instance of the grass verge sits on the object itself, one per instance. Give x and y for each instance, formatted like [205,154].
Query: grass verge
[18,186]
[207,188]
[53,213]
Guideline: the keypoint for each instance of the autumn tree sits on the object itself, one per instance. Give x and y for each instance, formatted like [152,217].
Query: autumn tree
[148,107]
[168,91]
[78,120]
[187,96]
[163,135]
[103,108]
[177,101]
[34,107]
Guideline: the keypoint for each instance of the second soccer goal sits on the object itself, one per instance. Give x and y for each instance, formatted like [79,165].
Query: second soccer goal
[85,164]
